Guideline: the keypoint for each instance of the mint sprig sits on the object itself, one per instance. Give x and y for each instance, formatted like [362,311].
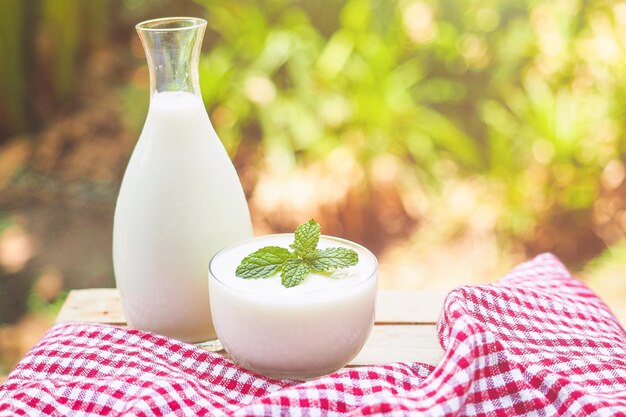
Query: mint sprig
[294,272]
[263,263]
[333,258]
[295,266]
[307,236]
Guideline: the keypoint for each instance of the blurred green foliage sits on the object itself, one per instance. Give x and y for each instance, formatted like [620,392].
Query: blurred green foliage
[13,66]
[37,304]
[525,96]
[40,45]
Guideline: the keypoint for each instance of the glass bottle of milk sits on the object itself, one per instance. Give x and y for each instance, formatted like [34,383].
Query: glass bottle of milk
[181,200]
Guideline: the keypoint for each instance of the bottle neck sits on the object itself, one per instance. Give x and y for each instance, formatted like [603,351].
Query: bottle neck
[172,47]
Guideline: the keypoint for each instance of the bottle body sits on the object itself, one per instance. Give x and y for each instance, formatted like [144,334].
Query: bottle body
[180,202]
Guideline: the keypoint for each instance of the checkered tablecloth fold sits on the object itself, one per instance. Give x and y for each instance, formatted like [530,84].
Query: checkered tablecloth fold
[538,343]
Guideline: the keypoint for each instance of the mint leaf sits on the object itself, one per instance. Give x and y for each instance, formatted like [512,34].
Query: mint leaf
[295,266]
[307,236]
[333,258]
[263,263]
[294,272]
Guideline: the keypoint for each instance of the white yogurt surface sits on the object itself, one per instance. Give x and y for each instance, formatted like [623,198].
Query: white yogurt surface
[301,332]
[224,266]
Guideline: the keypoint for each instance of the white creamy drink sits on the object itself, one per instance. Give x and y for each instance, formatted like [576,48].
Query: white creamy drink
[180,203]
[301,332]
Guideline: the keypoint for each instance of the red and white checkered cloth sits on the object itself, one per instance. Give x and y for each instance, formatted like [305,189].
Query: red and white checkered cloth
[538,343]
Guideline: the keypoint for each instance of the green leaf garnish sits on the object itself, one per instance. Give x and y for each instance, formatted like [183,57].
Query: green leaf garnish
[294,272]
[307,236]
[296,265]
[263,263]
[333,258]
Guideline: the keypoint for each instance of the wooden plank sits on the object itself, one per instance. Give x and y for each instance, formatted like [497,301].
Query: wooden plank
[103,305]
[404,331]
[387,344]
[96,305]
[415,307]
[400,343]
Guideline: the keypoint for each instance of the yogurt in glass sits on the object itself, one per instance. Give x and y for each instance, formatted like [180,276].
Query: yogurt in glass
[301,332]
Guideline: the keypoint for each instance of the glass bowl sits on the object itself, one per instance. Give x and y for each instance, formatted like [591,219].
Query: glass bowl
[301,332]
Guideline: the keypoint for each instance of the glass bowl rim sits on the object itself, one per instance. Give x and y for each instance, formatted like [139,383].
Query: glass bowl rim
[367,276]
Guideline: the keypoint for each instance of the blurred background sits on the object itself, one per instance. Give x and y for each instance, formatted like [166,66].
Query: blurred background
[455,138]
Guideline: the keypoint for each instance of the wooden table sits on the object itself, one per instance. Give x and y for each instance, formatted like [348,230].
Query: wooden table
[404,331]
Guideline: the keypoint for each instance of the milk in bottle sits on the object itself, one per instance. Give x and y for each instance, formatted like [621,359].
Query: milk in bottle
[180,201]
